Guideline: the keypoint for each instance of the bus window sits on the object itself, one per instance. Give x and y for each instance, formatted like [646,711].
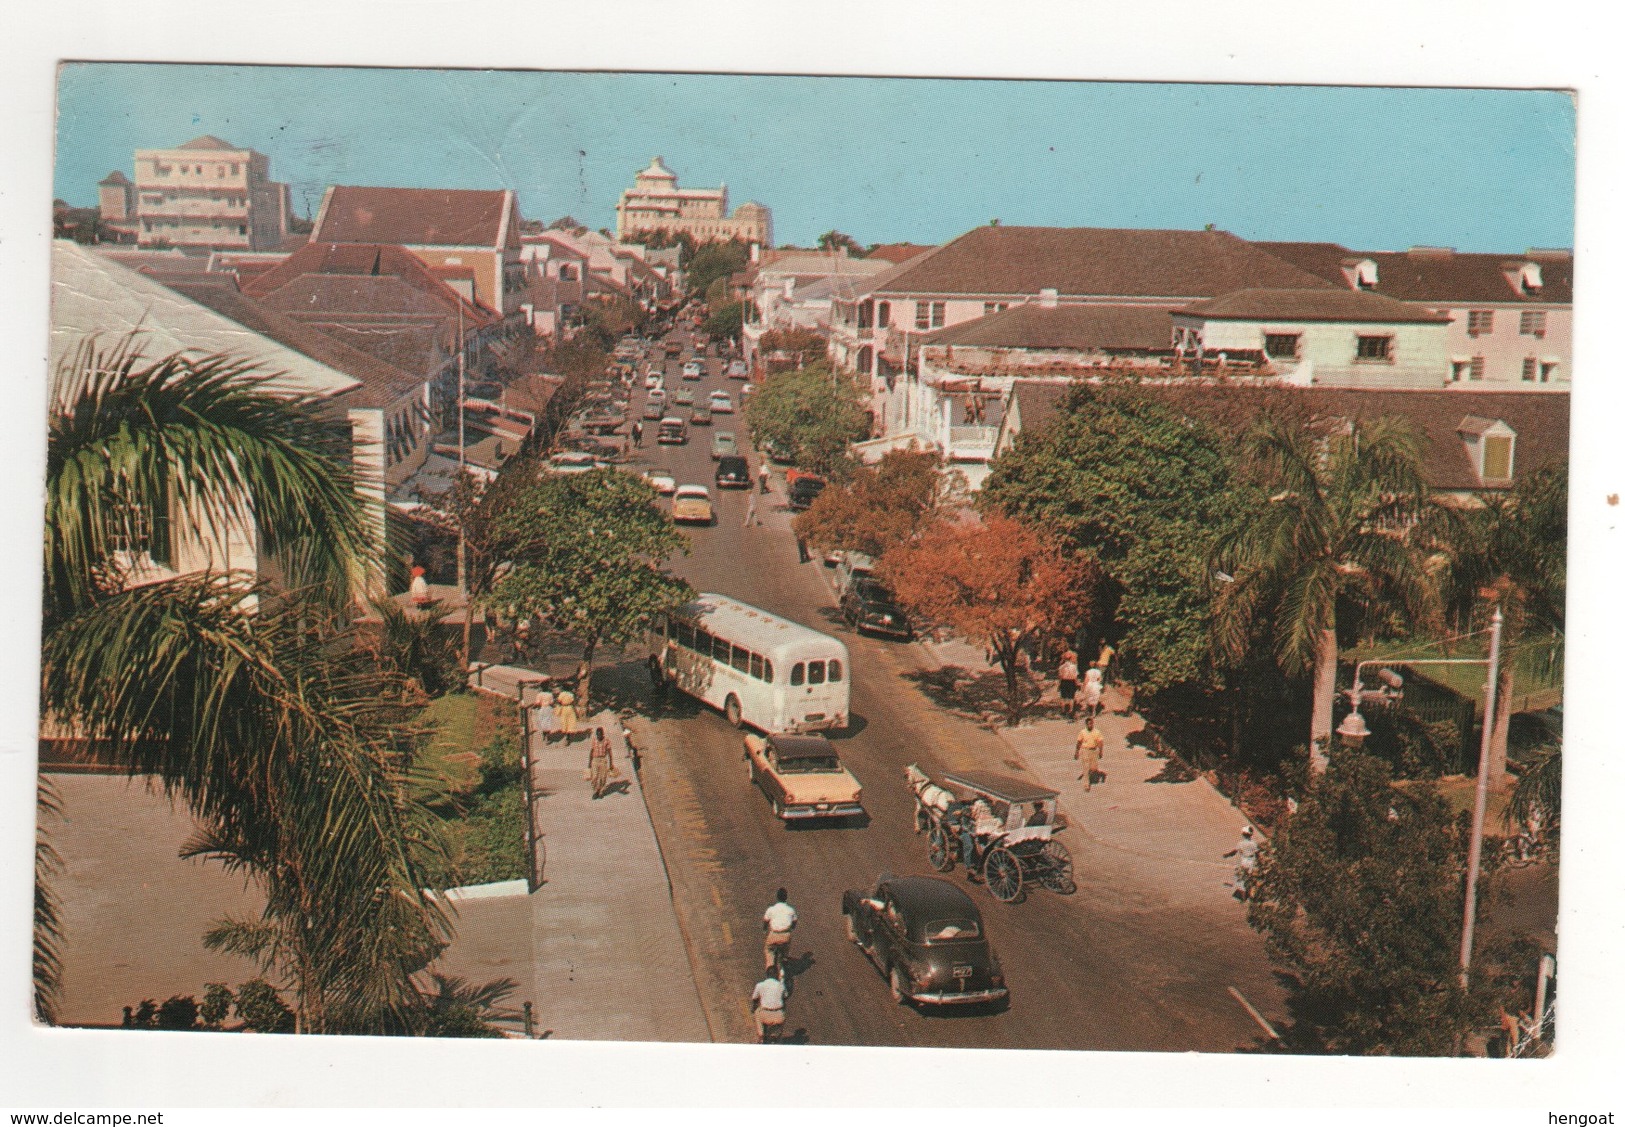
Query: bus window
[756,666]
[741,659]
[682,633]
[834,669]
[815,673]
[719,650]
[767,671]
[798,673]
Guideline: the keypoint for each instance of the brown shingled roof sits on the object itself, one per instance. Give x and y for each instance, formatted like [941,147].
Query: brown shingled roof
[1095,261]
[1108,327]
[412,216]
[898,252]
[381,383]
[1437,274]
[365,261]
[1311,305]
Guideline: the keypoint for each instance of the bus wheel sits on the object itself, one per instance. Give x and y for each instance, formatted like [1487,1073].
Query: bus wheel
[731,709]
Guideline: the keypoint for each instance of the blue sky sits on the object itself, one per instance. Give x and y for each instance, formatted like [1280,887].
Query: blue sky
[882,159]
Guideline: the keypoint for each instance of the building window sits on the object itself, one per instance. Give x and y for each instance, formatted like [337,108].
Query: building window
[1548,369]
[1480,322]
[930,314]
[1530,367]
[1282,346]
[1532,323]
[883,315]
[1374,349]
[1475,368]
[991,307]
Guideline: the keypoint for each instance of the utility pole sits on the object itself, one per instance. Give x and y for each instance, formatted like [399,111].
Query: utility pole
[1475,849]
[462,477]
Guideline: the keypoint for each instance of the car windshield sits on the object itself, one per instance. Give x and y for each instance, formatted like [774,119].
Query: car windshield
[946,931]
[693,492]
[810,765]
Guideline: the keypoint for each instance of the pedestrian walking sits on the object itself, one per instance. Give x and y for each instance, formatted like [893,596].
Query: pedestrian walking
[521,640]
[569,720]
[1091,745]
[750,513]
[543,718]
[801,549]
[637,435]
[657,677]
[419,590]
[761,479]
[1246,855]
[1092,688]
[1067,683]
[767,1006]
[600,763]
[1104,662]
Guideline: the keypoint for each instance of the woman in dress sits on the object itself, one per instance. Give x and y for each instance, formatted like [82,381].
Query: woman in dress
[1093,684]
[569,721]
[600,763]
[543,717]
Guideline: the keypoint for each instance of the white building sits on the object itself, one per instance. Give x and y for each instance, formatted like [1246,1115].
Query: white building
[655,203]
[208,194]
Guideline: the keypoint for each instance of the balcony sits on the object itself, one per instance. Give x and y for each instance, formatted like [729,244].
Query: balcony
[971,443]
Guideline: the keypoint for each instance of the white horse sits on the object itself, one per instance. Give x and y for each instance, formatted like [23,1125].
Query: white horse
[927,795]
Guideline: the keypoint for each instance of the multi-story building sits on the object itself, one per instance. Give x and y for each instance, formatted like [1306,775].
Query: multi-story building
[208,194]
[468,238]
[655,203]
[797,289]
[1511,316]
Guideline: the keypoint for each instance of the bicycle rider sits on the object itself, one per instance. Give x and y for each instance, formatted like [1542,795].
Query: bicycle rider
[767,1007]
[777,923]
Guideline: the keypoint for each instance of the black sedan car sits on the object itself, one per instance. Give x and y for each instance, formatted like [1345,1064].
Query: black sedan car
[926,937]
[733,472]
[869,608]
[804,491]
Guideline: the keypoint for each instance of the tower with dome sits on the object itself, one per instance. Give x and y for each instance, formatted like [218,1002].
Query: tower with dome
[655,203]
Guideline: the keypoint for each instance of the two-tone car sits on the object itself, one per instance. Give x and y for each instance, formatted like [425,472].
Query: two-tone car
[925,935]
[693,370]
[802,777]
[664,481]
[869,607]
[691,504]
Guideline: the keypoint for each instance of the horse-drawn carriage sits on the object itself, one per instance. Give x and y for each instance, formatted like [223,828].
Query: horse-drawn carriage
[1004,829]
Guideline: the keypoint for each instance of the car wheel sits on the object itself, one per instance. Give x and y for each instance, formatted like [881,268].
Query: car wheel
[732,710]
[852,929]
[899,986]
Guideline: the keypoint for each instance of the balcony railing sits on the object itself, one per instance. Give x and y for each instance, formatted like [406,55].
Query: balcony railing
[971,441]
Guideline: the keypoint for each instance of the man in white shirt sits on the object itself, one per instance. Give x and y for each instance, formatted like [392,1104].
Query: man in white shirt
[767,1003]
[778,922]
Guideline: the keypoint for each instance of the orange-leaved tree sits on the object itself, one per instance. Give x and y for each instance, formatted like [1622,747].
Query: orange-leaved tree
[879,507]
[1000,583]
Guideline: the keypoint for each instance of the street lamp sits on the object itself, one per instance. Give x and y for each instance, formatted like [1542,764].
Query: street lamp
[1353,730]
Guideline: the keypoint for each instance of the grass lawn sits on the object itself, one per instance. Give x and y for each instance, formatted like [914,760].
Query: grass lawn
[1458,791]
[1534,672]
[472,779]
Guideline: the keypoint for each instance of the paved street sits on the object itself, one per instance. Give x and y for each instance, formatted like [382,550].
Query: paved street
[1139,958]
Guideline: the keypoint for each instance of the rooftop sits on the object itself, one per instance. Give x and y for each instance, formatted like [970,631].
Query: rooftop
[1436,274]
[414,216]
[1080,327]
[1095,262]
[1311,305]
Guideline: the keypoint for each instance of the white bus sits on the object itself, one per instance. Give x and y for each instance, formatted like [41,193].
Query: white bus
[760,670]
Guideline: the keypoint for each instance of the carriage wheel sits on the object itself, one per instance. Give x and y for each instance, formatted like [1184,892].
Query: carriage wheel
[1002,874]
[939,853]
[1057,869]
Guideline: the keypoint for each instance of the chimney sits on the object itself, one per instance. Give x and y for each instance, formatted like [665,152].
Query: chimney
[1048,298]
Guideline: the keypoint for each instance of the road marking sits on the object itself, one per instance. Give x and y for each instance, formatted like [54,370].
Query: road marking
[1254,1014]
[716,897]
[728,936]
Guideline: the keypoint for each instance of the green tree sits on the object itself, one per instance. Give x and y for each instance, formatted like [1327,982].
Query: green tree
[1510,553]
[835,240]
[598,569]
[725,320]
[879,506]
[1341,528]
[813,413]
[1359,899]
[1147,492]
[711,261]
[240,698]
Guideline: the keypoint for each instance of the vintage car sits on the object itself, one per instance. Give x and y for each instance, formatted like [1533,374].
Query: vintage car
[683,397]
[925,935]
[692,505]
[723,443]
[654,410]
[733,472]
[673,431]
[693,370]
[868,607]
[700,416]
[573,462]
[802,777]
[721,403]
[655,378]
[804,491]
[738,370]
[664,481]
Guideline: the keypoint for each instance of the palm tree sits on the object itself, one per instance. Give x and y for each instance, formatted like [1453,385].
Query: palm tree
[242,698]
[1341,527]
[1510,553]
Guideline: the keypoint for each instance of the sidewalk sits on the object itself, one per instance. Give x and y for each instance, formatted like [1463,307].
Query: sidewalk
[597,946]
[1145,808]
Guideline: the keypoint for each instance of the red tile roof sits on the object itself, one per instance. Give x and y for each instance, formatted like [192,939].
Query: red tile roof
[366,261]
[1437,274]
[1094,262]
[414,216]
[1311,305]
[209,141]
[1080,327]
[897,252]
